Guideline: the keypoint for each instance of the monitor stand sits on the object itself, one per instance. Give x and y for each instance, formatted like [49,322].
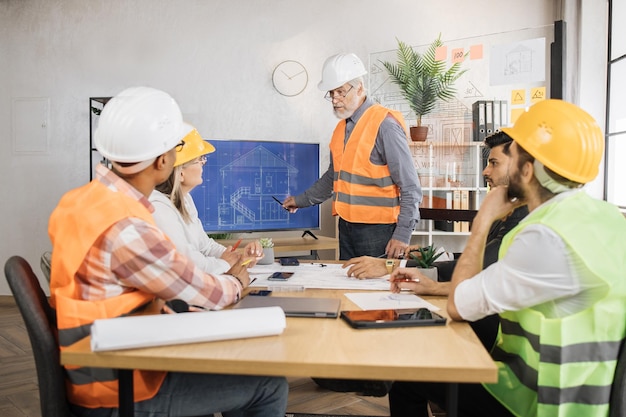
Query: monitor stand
[308,232]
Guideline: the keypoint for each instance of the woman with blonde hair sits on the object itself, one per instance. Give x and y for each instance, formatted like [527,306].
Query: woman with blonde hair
[176,214]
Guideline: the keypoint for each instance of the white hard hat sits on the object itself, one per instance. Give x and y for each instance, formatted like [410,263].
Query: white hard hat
[139,124]
[339,69]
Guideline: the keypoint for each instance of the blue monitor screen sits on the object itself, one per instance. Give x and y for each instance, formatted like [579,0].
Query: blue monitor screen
[241,178]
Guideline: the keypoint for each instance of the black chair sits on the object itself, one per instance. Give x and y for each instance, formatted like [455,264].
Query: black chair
[45,263]
[40,321]
[618,391]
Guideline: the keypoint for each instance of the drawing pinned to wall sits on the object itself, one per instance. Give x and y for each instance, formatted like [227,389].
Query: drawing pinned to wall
[519,62]
[537,94]
[472,91]
[518,97]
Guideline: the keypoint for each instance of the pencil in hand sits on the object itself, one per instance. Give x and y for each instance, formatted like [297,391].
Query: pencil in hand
[279,202]
[236,245]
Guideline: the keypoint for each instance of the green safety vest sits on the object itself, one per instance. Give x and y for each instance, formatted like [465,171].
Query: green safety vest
[565,366]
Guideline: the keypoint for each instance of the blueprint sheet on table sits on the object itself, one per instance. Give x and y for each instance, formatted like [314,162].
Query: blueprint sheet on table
[314,275]
[332,276]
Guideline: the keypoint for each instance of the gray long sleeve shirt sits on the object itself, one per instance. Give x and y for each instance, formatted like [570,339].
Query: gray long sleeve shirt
[391,149]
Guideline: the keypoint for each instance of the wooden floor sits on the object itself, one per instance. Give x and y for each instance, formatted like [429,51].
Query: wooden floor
[18,380]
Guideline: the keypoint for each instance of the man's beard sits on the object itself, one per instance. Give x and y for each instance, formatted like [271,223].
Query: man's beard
[342,113]
[504,180]
[515,189]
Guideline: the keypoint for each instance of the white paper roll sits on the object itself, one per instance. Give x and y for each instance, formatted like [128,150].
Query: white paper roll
[173,329]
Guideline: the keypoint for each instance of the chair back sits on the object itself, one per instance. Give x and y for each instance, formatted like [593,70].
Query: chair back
[618,391]
[40,320]
[45,263]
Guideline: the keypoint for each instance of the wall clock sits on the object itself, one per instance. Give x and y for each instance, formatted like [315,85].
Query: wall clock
[290,78]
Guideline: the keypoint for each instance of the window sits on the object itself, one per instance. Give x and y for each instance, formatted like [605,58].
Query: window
[616,107]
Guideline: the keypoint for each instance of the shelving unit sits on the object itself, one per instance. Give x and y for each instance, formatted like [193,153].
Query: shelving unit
[451,179]
[96,104]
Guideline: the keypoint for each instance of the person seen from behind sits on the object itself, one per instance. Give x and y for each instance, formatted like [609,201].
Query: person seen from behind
[109,259]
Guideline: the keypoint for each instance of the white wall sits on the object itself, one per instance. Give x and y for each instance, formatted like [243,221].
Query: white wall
[214,56]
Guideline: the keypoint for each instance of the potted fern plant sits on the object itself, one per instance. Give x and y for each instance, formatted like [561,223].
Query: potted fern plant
[423,80]
[425,257]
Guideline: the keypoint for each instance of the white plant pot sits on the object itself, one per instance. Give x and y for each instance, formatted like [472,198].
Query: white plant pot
[430,273]
[268,257]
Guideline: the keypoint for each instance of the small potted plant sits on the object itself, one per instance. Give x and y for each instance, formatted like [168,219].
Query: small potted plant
[423,80]
[268,251]
[425,258]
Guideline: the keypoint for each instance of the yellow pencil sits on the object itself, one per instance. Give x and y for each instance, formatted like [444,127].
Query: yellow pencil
[246,262]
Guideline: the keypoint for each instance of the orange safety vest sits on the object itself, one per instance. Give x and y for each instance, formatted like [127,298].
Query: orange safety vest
[79,220]
[363,192]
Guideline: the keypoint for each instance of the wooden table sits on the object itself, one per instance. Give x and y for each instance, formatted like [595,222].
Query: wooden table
[293,244]
[324,348]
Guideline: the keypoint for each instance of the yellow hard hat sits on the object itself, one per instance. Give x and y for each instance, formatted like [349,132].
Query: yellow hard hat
[561,136]
[194,147]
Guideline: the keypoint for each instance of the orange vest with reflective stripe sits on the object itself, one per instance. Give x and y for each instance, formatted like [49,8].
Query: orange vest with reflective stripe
[363,192]
[79,220]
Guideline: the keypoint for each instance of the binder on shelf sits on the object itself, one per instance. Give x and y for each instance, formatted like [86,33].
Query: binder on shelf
[474,200]
[504,113]
[497,116]
[474,204]
[488,118]
[500,114]
[456,205]
[464,206]
[478,120]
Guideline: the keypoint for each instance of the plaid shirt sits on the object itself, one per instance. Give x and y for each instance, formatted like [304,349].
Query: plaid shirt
[133,254]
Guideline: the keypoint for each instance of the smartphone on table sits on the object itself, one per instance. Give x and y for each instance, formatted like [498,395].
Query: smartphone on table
[280,276]
[289,261]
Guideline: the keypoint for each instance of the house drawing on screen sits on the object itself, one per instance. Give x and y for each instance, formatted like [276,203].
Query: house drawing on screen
[248,184]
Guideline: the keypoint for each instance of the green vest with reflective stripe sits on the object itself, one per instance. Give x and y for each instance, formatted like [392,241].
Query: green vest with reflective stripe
[565,366]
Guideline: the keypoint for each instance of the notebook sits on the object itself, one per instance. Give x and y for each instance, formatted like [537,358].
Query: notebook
[295,306]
